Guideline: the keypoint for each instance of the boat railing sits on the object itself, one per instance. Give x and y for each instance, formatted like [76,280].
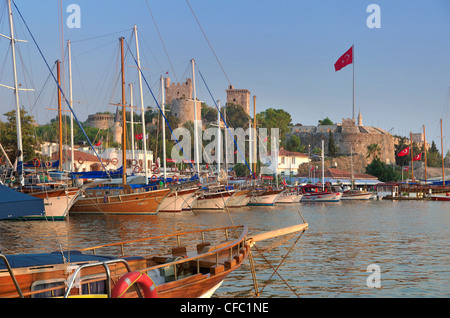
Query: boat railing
[11,274]
[105,265]
[211,256]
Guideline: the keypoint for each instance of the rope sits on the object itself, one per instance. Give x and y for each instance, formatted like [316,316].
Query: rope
[276,269]
[208,42]
[59,87]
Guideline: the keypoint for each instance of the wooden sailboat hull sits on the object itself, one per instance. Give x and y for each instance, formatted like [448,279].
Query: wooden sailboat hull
[178,200]
[356,196]
[146,203]
[289,198]
[180,274]
[212,201]
[321,197]
[240,198]
[266,198]
[57,203]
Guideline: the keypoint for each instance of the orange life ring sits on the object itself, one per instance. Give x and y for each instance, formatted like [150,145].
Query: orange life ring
[319,183]
[173,168]
[131,278]
[80,161]
[48,164]
[36,162]
[114,161]
[174,179]
[134,162]
[155,170]
[137,169]
[154,178]
[232,173]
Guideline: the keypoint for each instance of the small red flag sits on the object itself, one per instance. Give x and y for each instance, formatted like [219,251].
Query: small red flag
[417,157]
[139,136]
[404,152]
[98,143]
[405,168]
[344,60]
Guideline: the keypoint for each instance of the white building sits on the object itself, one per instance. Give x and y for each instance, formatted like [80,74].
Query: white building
[289,161]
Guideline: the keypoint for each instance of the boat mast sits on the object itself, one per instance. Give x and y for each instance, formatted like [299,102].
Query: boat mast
[142,105]
[412,158]
[124,124]
[254,137]
[163,102]
[323,168]
[425,152]
[58,70]
[16,94]
[219,146]
[196,144]
[132,120]
[72,160]
[442,154]
[351,161]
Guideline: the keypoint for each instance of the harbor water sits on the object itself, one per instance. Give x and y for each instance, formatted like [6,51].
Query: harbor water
[351,249]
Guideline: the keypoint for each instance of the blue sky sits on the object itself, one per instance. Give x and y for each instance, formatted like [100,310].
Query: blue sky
[282,51]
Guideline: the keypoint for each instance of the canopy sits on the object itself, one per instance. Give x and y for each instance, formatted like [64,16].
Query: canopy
[14,204]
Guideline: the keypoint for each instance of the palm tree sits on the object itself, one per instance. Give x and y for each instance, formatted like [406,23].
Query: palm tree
[373,150]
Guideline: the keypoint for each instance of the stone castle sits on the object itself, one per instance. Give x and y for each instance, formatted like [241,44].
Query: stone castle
[180,97]
[349,137]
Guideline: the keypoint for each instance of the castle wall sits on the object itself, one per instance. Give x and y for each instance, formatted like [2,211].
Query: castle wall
[184,110]
[101,121]
[347,137]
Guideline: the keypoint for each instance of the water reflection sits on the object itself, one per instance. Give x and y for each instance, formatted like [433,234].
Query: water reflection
[408,240]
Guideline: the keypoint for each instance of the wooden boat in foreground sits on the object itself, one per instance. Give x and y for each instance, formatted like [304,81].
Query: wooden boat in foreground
[190,271]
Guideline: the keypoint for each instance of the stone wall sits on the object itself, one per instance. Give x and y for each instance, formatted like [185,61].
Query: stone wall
[239,97]
[178,90]
[184,110]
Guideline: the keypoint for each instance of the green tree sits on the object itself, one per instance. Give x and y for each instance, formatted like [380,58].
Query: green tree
[8,135]
[332,148]
[374,151]
[326,121]
[382,171]
[434,158]
[275,118]
[236,116]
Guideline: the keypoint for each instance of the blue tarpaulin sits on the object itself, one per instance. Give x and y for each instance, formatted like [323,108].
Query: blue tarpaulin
[15,204]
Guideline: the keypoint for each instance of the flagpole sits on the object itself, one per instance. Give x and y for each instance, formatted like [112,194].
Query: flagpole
[353,57]
[412,159]
[425,152]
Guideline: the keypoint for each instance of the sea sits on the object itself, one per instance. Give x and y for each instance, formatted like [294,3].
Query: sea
[351,249]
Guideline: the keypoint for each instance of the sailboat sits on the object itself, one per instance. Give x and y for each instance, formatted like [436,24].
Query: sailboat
[57,197]
[353,194]
[126,199]
[312,193]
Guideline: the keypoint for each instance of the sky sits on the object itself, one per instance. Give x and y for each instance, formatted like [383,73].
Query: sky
[282,51]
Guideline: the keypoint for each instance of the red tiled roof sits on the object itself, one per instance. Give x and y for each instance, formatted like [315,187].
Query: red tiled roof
[77,154]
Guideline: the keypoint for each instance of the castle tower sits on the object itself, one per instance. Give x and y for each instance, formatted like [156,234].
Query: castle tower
[178,90]
[359,118]
[239,97]
[117,128]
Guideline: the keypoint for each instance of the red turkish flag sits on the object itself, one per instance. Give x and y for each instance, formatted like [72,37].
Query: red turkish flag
[404,152]
[344,60]
[417,157]
[98,143]
[139,136]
